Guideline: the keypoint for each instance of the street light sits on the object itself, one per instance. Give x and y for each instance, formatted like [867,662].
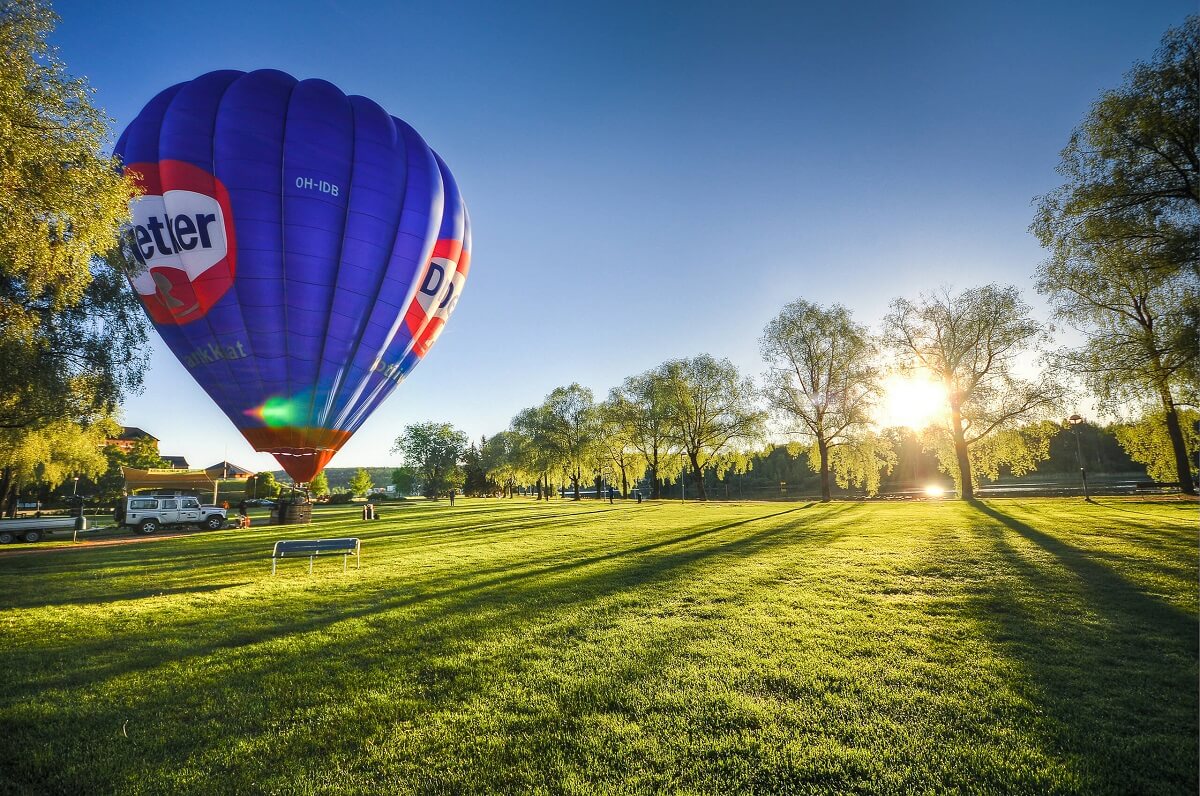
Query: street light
[1076,421]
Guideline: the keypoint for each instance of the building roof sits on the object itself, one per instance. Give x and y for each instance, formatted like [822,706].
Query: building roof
[176,462]
[133,432]
[229,468]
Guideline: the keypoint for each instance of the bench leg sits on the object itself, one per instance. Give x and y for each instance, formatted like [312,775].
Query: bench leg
[310,558]
[272,565]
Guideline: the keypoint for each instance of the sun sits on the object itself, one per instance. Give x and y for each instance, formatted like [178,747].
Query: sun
[914,402]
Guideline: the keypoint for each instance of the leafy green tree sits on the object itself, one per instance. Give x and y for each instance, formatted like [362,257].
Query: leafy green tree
[640,408]
[360,483]
[566,426]
[506,459]
[823,382]
[618,448]
[527,446]
[319,486]
[1123,233]
[436,452]
[49,455]
[262,485]
[143,454]
[862,462]
[711,410]
[973,342]
[404,479]
[1147,442]
[70,329]
[1132,168]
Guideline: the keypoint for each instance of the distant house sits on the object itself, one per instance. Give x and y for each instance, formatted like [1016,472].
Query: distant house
[129,436]
[227,470]
[176,462]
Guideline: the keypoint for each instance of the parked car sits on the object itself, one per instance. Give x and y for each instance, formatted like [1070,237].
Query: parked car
[149,513]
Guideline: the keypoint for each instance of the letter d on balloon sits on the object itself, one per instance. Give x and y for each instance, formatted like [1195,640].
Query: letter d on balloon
[433,279]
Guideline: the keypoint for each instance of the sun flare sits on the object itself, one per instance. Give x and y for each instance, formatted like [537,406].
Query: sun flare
[912,401]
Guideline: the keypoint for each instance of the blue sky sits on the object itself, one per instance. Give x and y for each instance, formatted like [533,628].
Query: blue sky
[649,181]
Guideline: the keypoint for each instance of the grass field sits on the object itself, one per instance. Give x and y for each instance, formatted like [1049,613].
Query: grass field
[1033,646]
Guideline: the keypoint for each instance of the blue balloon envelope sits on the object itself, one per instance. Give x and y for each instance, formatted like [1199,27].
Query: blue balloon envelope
[299,251]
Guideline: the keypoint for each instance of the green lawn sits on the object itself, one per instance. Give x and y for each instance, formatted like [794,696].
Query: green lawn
[1032,646]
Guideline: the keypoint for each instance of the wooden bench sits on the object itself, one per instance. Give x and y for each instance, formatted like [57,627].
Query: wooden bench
[294,548]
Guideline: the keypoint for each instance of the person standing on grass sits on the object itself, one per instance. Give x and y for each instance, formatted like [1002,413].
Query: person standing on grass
[452,491]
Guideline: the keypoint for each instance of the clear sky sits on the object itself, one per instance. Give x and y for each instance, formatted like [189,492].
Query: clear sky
[653,180]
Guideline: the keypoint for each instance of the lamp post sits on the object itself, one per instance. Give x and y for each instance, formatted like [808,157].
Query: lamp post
[1076,421]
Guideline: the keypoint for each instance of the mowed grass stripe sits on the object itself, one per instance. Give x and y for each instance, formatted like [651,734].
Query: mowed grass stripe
[1035,647]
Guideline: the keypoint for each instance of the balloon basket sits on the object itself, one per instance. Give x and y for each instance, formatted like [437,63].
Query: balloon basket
[291,514]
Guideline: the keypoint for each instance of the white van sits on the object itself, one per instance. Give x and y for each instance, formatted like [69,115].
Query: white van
[148,513]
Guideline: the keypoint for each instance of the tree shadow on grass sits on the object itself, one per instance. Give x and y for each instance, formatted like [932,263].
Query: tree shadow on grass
[1111,592]
[35,601]
[424,643]
[1112,671]
[644,562]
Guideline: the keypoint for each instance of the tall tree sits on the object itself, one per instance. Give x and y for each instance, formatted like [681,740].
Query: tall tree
[436,451]
[404,479]
[640,406]
[70,329]
[711,408]
[567,425]
[823,379]
[319,486]
[506,460]
[535,449]
[974,342]
[1124,238]
[617,446]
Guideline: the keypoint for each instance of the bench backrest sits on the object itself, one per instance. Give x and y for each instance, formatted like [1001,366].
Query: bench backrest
[308,547]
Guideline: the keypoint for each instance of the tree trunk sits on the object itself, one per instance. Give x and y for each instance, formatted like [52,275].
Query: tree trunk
[1182,464]
[966,487]
[655,486]
[823,449]
[624,485]
[7,504]
[698,475]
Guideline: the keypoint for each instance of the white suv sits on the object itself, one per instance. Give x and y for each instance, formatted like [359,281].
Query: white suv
[148,513]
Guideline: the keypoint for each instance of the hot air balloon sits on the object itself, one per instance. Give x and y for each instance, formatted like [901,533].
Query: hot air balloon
[299,250]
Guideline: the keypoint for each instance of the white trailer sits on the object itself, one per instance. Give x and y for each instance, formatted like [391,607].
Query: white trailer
[32,529]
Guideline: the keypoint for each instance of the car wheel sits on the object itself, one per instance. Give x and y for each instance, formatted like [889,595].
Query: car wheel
[214,522]
[148,526]
[6,537]
[32,536]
